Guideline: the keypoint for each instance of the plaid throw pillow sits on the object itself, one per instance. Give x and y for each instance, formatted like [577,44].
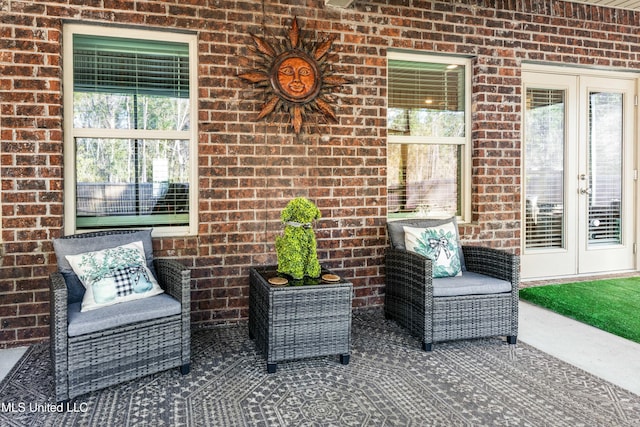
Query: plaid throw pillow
[122,277]
[114,275]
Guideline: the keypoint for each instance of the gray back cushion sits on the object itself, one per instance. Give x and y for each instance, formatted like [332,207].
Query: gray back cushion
[90,242]
[396,232]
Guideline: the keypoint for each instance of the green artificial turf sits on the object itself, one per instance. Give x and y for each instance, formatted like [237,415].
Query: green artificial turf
[612,305]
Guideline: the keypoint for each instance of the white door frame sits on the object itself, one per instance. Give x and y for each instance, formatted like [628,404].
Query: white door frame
[565,261]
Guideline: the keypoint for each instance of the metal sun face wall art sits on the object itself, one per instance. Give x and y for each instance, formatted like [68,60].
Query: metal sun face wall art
[295,77]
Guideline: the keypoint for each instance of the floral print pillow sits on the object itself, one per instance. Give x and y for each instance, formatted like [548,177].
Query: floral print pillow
[114,275]
[440,244]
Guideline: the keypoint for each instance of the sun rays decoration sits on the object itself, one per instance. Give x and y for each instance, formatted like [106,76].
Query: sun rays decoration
[295,77]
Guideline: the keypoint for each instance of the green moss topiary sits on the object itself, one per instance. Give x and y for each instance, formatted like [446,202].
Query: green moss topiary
[296,248]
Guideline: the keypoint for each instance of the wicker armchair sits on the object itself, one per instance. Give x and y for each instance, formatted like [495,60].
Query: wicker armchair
[446,309]
[107,355]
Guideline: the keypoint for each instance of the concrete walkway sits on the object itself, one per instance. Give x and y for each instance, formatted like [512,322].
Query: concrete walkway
[605,355]
[8,358]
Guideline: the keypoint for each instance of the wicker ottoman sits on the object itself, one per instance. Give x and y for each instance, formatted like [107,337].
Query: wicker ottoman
[299,320]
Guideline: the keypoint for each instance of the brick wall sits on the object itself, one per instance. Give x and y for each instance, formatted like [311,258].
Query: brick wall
[249,170]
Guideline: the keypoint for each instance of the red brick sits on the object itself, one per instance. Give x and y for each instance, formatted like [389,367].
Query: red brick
[249,170]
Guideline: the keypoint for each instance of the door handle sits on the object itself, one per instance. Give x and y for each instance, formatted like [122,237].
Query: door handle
[584,191]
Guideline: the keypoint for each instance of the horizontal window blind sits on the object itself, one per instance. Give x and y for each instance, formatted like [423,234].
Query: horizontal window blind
[130,66]
[418,85]
[426,99]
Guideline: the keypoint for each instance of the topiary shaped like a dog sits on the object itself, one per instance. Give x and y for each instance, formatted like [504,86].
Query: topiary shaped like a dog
[296,249]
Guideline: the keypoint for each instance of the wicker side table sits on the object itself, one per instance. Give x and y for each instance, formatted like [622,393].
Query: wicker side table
[298,321]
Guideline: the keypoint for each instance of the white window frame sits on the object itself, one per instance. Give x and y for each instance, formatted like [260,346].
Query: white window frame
[71,133]
[465,161]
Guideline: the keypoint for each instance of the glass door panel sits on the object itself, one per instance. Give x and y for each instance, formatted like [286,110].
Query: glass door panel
[604,168]
[549,170]
[544,168]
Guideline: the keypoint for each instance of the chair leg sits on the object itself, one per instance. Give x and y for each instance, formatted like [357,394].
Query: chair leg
[184,369]
[512,339]
[427,346]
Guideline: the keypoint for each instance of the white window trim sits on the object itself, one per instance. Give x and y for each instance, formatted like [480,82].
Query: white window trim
[70,133]
[465,172]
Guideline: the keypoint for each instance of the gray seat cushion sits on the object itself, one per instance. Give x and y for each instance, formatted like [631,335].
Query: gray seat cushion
[469,284]
[120,314]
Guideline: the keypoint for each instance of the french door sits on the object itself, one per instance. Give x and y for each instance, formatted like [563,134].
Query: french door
[579,174]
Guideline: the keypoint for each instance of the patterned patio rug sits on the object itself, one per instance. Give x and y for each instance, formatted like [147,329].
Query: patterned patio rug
[389,382]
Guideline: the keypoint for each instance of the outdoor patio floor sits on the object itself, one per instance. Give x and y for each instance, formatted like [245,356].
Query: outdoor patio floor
[607,356]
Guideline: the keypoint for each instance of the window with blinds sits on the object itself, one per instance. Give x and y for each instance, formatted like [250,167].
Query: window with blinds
[427,135]
[132,139]
[544,168]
